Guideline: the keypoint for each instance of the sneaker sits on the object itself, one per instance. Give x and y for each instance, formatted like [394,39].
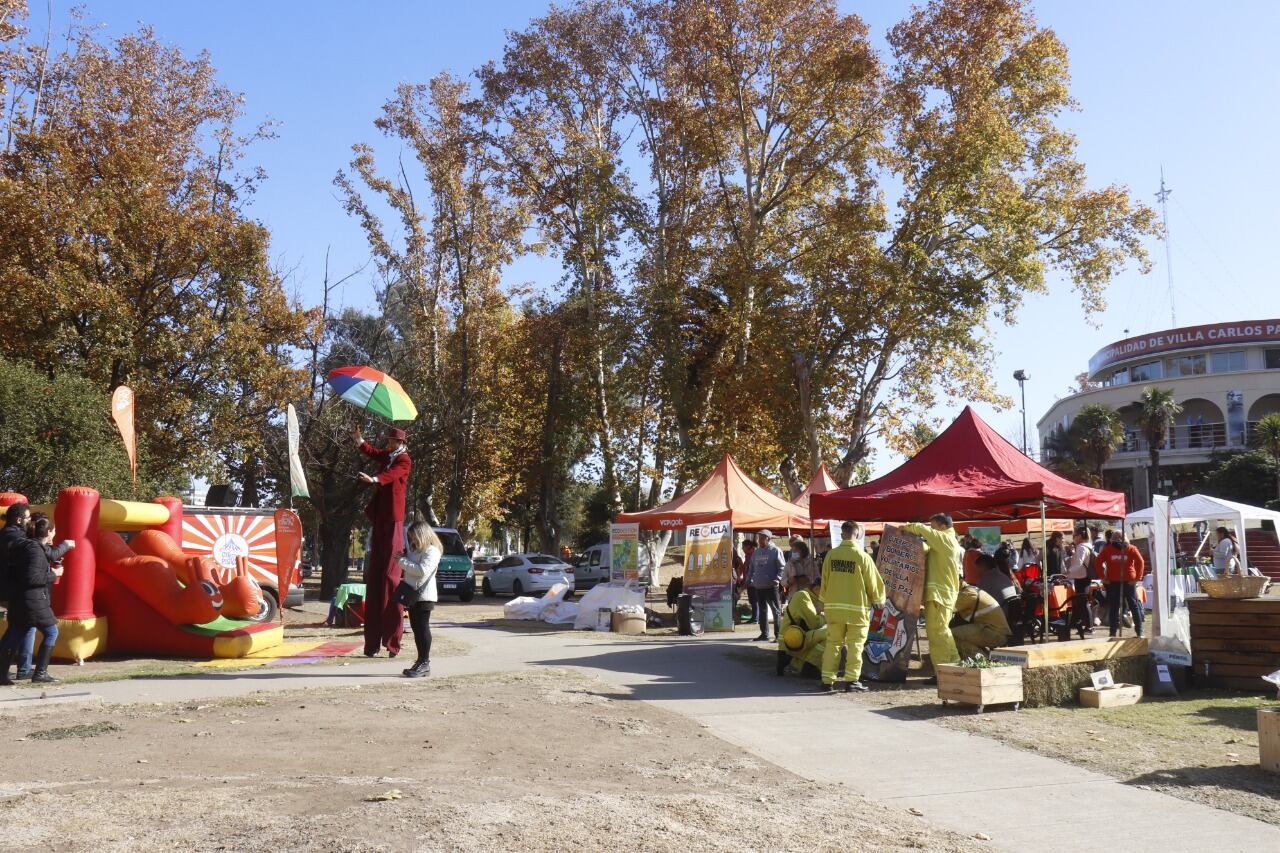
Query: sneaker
[418,670]
[25,675]
[761,638]
[43,678]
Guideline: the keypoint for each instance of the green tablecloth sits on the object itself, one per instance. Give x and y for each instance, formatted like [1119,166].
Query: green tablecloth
[340,597]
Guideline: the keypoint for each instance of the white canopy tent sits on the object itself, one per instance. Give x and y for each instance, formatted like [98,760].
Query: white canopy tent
[1195,508]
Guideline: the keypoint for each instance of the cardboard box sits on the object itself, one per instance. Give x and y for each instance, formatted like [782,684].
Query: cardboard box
[1269,739]
[628,623]
[1111,697]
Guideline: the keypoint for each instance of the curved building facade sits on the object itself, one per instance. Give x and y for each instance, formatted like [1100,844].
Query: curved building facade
[1226,376]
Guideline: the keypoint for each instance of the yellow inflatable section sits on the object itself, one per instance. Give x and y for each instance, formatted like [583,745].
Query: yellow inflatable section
[124,516]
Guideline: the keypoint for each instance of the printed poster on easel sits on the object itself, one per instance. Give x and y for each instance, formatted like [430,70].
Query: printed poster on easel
[624,552]
[887,655]
[708,572]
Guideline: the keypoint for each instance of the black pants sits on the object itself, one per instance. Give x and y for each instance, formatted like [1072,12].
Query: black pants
[420,622]
[767,601]
[755,604]
[1116,589]
[1081,604]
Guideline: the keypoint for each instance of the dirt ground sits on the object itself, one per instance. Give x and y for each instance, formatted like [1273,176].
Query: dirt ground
[1201,746]
[480,762]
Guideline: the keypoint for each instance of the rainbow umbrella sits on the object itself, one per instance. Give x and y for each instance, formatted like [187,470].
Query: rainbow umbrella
[373,391]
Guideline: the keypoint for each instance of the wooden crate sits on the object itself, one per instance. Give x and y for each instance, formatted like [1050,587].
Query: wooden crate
[1269,739]
[1111,697]
[1234,642]
[981,687]
[1072,651]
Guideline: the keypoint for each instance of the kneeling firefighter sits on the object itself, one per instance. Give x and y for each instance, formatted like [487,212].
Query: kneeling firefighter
[980,624]
[804,630]
[851,584]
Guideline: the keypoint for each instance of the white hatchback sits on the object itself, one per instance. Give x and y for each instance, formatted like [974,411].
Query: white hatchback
[527,574]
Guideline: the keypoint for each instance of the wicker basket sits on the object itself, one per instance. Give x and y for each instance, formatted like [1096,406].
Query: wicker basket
[1234,587]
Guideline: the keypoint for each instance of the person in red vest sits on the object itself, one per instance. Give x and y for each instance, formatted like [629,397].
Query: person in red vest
[1121,566]
[383,616]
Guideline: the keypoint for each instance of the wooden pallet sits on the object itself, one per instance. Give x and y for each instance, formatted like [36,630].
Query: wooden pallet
[1073,651]
[1234,642]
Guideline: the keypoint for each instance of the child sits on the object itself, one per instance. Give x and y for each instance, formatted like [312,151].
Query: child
[418,567]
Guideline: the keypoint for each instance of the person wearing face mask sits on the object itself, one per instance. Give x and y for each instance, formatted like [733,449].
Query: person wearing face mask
[1121,566]
[798,563]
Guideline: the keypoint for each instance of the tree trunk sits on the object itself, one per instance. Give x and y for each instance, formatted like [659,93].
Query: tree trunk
[788,471]
[335,543]
[1153,473]
[548,487]
[804,395]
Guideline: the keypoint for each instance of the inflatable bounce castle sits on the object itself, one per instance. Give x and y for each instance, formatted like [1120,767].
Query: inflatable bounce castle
[144,595]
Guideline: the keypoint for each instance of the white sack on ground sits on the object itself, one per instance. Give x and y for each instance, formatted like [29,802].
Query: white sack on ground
[560,613]
[605,596]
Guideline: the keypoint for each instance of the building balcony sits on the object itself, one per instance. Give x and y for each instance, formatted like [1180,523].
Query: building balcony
[1189,438]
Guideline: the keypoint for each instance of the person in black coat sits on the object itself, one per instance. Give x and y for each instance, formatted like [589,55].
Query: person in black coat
[16,517]
[33,566]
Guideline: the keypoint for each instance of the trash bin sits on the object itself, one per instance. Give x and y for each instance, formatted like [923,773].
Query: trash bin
[689,609]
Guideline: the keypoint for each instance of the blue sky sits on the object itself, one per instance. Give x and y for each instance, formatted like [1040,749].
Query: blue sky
[1192,86]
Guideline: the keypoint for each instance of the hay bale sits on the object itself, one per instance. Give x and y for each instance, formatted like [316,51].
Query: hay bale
[1060,685]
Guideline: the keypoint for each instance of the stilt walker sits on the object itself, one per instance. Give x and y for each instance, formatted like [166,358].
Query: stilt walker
[383,616]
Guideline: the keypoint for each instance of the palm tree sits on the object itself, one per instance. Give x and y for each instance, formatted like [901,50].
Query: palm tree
[1096,432]
[1266,434]
[1156,412]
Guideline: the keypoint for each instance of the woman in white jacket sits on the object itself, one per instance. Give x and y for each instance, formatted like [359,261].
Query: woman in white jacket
[418,569]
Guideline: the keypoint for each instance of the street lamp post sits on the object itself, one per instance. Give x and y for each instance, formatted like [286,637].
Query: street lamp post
[1021,376]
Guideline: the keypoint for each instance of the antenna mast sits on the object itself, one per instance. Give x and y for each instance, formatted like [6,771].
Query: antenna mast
[1163,198]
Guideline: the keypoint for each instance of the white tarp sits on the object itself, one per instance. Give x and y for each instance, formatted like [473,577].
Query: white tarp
[550,608]
[605,596]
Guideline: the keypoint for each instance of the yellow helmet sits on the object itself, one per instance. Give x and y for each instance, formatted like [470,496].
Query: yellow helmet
[793,638]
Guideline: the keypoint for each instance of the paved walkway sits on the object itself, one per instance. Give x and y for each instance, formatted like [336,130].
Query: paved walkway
[960,781]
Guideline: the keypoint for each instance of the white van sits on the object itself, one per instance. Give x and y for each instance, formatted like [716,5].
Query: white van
[593,567]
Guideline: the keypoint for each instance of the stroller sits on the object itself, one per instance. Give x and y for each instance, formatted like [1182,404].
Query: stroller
[1028,621]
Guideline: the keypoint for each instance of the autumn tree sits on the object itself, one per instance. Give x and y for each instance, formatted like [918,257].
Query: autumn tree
[557,132]
[992,201]
[127,255]
[441,261]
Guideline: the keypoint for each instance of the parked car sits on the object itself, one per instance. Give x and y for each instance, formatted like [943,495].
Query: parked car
[522,574]
[486,561]
[592,568]
[456,574]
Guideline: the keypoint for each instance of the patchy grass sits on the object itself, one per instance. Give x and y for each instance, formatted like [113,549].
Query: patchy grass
[80,731]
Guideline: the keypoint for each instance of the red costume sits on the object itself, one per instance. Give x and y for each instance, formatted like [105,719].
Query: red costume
[383,617]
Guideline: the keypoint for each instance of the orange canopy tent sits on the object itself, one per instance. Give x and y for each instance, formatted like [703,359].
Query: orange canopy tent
[728,494]
[821,482]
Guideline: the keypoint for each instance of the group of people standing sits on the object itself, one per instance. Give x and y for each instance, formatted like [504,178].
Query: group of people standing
[29,566]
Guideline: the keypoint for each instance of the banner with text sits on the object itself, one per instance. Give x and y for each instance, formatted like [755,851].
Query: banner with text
[708,572]
[624,552]
[887,655]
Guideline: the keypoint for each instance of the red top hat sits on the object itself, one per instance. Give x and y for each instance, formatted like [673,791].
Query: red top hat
[397,434]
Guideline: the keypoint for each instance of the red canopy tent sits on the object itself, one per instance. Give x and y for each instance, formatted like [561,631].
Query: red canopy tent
[727,494]
[971,472]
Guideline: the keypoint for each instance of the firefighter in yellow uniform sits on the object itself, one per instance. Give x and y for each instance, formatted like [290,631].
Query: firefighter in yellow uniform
[803,634]
[985,626]
[851,584]
[941,584]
